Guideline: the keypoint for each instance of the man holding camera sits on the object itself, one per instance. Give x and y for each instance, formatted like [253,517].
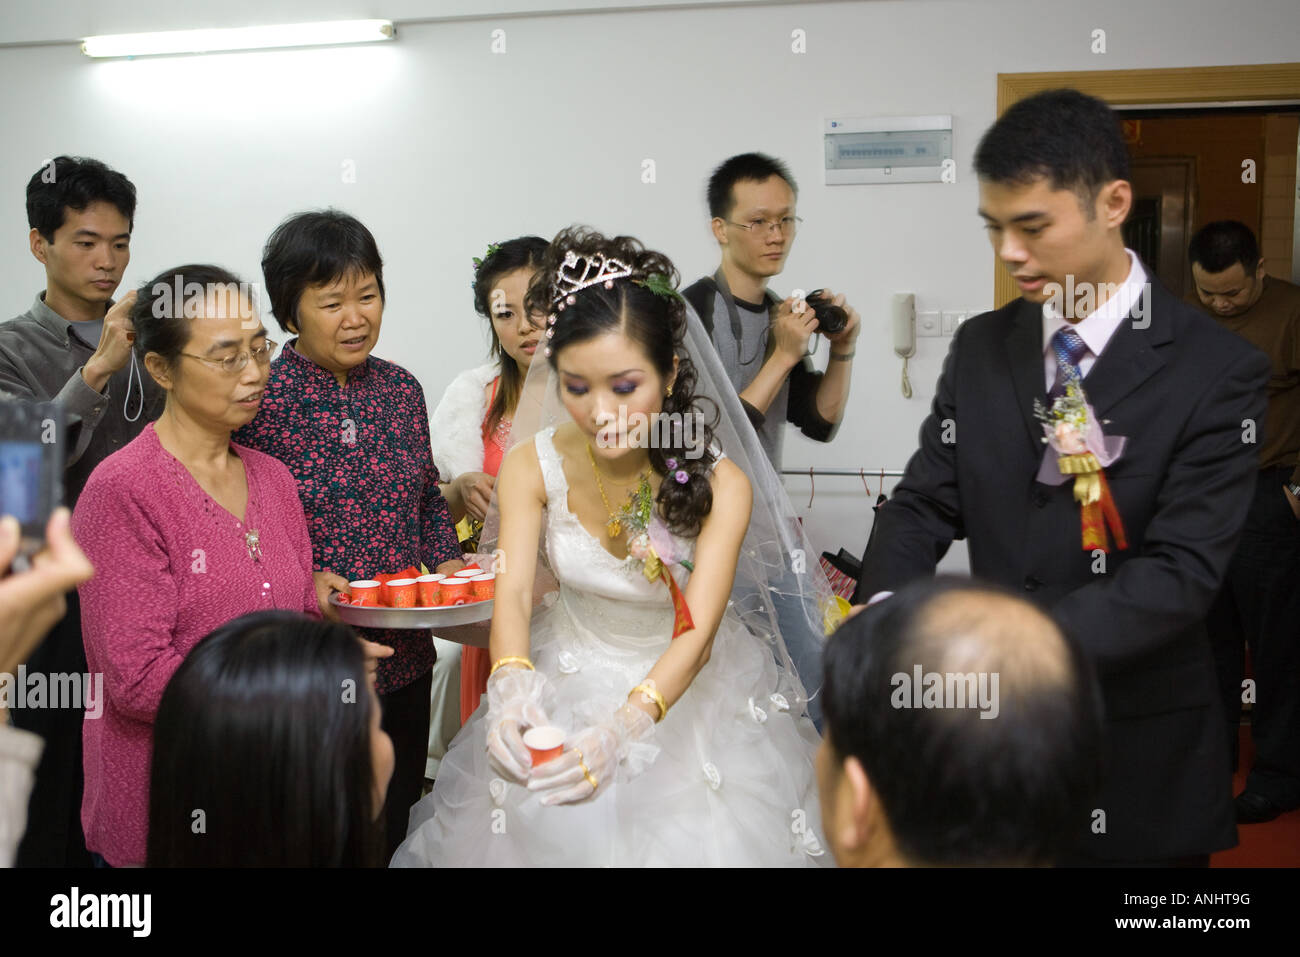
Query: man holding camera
[763,340]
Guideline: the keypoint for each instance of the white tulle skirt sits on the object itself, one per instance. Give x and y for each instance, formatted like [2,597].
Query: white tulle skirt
[732,783]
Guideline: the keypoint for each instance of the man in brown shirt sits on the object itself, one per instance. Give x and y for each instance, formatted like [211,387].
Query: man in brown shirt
[1260,599]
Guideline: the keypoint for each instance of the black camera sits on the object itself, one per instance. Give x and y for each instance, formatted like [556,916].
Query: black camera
[831,319]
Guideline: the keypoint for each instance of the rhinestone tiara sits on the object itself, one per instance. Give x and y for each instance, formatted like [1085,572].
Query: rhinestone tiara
[582,270]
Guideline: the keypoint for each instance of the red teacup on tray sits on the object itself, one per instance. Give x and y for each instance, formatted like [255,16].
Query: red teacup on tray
[455,591]
[428,590]
[401,593]
[366,593]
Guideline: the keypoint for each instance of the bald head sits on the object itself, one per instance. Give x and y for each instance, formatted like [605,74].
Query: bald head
[974,721]
[980,629]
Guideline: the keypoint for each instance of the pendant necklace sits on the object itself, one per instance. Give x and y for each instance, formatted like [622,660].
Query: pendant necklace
[614,527]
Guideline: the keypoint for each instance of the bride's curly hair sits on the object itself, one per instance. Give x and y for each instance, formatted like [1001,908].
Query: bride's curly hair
[657,323]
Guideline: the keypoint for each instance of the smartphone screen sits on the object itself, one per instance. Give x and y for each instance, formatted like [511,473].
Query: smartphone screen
[20,480]
[33,447]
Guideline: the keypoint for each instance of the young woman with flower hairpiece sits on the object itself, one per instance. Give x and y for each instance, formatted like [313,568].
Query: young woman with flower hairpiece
[686,739]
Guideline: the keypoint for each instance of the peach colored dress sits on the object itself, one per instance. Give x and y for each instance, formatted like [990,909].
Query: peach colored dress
[475,663]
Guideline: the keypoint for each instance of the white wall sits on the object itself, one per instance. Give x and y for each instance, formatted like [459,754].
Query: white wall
[455,147]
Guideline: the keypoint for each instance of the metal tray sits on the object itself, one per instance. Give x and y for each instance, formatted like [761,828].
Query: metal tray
[437,618]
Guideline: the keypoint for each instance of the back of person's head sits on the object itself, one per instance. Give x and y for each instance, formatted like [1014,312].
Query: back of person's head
[315,249]
[262,750]
[993,760]
[75,182]
[1218,245]
[1066,137]
[747,167]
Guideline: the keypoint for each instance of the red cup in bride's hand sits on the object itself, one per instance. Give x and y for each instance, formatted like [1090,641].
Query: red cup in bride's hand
[365,593]
[402,593]
[544,744]
[455,591]
[428,590]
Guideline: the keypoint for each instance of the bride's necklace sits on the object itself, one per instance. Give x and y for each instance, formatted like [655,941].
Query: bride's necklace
[614,527]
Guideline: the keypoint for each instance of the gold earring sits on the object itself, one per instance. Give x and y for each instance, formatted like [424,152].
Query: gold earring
[670,390]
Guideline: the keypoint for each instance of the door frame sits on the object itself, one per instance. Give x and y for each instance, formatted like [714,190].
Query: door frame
[1208,85]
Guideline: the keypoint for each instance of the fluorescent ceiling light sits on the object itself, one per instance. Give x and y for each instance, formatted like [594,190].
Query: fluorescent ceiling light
[238,38]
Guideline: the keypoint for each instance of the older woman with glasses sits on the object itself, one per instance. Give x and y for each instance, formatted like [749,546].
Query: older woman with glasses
[186,531]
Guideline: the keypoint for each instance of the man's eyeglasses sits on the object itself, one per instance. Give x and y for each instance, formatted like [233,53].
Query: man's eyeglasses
[231,365]
[762,227]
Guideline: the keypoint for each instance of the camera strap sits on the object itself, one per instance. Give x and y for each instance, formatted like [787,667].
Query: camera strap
[133,376]
[733,316]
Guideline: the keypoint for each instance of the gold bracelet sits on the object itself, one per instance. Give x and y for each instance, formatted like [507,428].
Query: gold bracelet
[511,660]
[657,698]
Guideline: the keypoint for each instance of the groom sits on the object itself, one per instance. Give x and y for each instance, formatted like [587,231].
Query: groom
[1189,398]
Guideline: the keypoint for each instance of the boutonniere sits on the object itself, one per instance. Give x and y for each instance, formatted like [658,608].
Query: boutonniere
[1078,447]
[650,543]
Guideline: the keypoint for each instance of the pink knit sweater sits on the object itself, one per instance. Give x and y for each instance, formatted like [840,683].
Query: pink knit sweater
[170,566]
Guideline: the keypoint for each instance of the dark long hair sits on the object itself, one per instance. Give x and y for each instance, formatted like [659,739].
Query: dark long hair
[657,323]
[262,752]
[522,253]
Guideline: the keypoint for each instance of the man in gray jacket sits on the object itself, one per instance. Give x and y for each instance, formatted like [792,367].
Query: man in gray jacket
[73,346]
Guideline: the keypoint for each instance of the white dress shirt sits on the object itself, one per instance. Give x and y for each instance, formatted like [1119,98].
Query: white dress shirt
[1097,328]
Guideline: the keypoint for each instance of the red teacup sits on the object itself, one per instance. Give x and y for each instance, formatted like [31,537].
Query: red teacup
[428,590]
[365,593]
[483,586]
[545,744]
[402,593]
[454,591]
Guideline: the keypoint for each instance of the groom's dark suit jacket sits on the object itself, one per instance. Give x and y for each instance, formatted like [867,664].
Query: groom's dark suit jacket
[1182,390]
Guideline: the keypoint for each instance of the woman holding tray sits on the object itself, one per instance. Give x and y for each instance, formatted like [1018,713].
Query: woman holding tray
[354,431]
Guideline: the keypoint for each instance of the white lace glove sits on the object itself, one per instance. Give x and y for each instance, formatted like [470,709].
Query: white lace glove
[515,702]
[624,737]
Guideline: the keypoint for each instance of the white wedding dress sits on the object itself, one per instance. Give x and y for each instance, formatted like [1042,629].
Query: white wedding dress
[731,782]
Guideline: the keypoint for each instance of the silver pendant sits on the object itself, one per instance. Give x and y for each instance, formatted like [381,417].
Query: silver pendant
[254,548]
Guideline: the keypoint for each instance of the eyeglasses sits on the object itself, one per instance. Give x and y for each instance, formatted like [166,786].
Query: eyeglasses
[232,365]
[763,227]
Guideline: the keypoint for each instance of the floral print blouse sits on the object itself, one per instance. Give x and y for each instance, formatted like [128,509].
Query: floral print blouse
[366,477]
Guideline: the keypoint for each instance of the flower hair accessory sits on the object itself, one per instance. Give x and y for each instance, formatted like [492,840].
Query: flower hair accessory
[658,284]
[491,251]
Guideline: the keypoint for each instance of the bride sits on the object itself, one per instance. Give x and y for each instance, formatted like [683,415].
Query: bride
[686,736]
